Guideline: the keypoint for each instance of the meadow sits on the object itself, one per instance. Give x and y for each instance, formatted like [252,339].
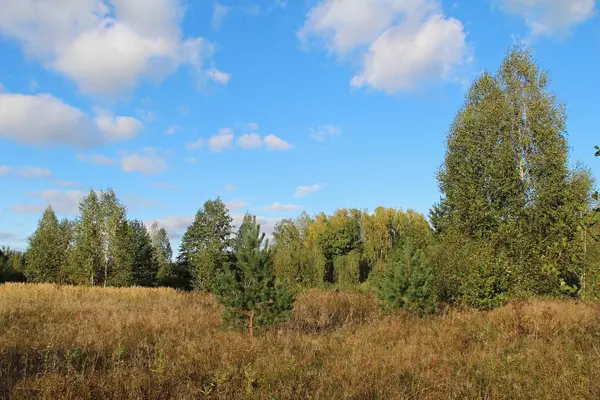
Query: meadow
[136,343]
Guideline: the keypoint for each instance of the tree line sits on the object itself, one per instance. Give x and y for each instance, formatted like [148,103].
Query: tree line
[514,220]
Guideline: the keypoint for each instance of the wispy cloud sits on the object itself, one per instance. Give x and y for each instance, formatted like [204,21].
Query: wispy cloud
[303,191]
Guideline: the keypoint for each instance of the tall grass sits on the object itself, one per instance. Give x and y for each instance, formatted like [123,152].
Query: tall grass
[98,343]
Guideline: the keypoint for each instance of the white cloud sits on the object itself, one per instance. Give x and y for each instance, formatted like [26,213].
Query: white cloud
[549,17]
[5,170]
[322,132]
[219,13]
[65,203]
[175,225]
[146,115]
[134,201]
[253,126]
[117,128]
[221,141]
[191,160]
[63,183]
[250,141]
[146,162]
[401,42]
[96,159]
[164,185]
[171,130]
[303,191]
[274,143]
[253,10]
[105,47]
[235,205]
[33,86]
[218,76]
[228,187]
[282,207]
[194,145]
[26,172]
[34,173]
[44,120]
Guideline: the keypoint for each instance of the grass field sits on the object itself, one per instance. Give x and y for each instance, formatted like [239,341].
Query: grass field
[96,343]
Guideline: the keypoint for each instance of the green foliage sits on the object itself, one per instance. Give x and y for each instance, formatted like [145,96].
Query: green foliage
[12,264]
[87,258]
[248,289]
[143,267]
[506,185]
[408,281]
[47,252]
[162,254]
[204,249]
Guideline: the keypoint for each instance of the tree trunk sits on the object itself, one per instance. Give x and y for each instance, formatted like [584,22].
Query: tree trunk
[251,323]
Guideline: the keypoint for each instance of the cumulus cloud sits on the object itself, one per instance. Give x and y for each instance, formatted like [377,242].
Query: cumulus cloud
[550,17]
[235,205]
[303,191]
[194,145]
[148,161]
[274,143]
[221,141]
[44,120]
[219,13]
[96,159]
[105,46]
[67,184]
[64,203]
[324,131]
[401,42]
[117,128]
[250,141]
[282,207]
[26,172]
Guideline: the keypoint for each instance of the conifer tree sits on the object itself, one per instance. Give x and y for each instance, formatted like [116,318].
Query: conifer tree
[248,289]
[204,249]
[408,281]
[47,252]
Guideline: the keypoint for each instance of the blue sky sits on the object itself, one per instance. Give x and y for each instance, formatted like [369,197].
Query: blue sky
[275,106]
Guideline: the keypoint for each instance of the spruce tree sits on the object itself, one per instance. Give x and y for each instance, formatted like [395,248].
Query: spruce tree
[205,246]
[248,289]
[47,253]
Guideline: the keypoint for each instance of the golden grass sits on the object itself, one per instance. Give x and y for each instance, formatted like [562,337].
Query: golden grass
[95,343]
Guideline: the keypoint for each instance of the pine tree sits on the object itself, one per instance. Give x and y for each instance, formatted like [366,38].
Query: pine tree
[204,249]
[408,281]
[46,256]
[248,289]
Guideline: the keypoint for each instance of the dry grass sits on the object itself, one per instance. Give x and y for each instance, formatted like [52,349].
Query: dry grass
[83,343]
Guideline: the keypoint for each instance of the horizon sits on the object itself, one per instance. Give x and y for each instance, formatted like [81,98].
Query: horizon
[275,107]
